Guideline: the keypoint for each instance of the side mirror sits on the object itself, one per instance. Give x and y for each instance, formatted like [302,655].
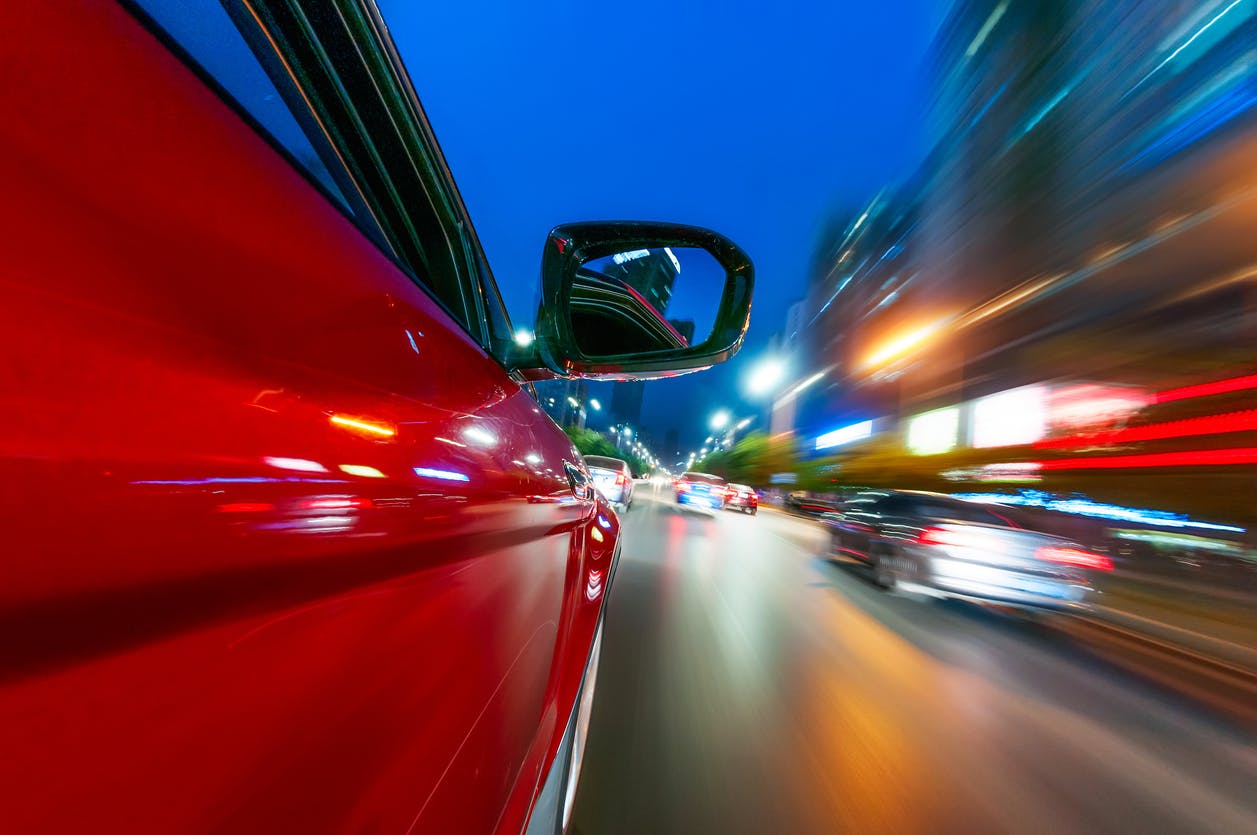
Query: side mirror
[626,300]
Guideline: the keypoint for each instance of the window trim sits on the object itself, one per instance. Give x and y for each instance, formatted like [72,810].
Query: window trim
[414,162]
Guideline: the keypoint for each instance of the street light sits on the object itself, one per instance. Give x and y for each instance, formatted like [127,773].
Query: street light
[744,422]
[628,433]
[593,401]
[523,337]
[766,376]
[720,419]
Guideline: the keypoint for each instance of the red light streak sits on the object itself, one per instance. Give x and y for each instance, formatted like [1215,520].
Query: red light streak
[245,507]
[335,504]
[1191,458]
[1245,421]
[1207,389]
[1075,557]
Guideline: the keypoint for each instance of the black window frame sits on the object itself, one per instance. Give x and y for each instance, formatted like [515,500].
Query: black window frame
[449,244]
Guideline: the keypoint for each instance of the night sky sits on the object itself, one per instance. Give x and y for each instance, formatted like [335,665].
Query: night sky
[753,120]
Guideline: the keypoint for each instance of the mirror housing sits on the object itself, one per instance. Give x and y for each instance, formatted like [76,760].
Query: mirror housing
[571,246]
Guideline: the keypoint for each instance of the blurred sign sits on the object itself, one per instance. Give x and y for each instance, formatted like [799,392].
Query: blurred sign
[934,432]
[783,478]
[845,435]
[1010,418]
[1079,406]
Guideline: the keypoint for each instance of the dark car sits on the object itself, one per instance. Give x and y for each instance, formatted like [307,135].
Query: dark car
[289,546]
[742,498]
[942,546]
[701,490]
[801,502]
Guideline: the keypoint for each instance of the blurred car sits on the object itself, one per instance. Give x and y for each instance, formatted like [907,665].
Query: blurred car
[288,544]
[613,478]
[800,501]
[942,546]
[701,490]
[742,498]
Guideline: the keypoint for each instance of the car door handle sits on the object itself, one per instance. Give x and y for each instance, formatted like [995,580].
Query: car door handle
[581,486]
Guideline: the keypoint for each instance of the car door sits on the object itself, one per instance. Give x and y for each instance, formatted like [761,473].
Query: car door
[856,526]
[285,548]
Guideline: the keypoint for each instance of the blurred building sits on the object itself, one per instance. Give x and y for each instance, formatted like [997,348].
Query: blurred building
[1085,213]
[671,446]
[626,402]
[793,350]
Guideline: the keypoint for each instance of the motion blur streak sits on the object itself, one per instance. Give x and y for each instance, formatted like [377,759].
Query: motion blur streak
[1245,421]
[1246,455]
[1208,389]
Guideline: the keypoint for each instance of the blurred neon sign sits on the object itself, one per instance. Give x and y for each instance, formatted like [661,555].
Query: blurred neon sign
[934,432]
[1086,405]
[845,435]
[1082,506]
[1207,389]
[1010,418]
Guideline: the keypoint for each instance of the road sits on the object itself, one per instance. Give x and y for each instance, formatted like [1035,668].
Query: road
[749,685]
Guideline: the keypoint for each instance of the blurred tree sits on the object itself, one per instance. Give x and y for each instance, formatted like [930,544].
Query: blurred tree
[591,442]
[754,459]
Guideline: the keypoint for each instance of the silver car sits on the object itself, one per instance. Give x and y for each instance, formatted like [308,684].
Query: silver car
[613,478]
[947,547]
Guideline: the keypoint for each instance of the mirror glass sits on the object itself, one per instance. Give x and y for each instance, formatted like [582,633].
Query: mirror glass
[640,300]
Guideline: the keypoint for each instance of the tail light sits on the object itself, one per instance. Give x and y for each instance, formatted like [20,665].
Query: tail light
[619,479]
[1075,557]
[943,536]
[682,486]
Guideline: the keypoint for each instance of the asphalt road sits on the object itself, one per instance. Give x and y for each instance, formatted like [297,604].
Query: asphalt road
[748,685]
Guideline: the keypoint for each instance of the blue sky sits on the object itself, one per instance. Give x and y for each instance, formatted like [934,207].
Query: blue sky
[753,119]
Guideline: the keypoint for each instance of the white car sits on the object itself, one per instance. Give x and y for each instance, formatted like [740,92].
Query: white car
[613,478]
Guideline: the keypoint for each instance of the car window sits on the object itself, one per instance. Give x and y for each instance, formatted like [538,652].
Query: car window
[604,462]
[205,30]
[710,479]
[960,511]
[430,250]
[868,502]
[973,513]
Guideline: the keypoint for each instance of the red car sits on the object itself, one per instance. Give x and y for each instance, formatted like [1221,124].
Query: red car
[288,544]
[742,498]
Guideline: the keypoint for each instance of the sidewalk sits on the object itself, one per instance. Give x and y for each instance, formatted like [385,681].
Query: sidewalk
[1216,625]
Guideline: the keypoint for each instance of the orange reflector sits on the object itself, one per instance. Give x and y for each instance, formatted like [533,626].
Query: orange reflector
[380,430]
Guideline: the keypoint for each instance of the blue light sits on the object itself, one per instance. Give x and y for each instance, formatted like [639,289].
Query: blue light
[845,435]
[444,475]
[1082,506]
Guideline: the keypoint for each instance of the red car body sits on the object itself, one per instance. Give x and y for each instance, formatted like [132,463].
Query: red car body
[271,559]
